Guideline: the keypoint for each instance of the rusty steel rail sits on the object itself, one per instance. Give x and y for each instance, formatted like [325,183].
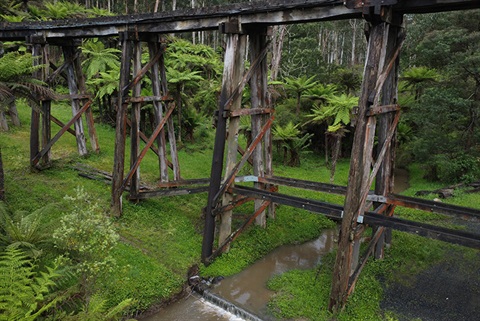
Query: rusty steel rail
[393,199]
[335,212]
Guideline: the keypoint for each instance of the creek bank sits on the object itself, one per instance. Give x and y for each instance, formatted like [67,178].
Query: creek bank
[446,291]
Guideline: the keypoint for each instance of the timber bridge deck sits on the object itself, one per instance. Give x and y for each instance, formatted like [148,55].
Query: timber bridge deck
[377,115]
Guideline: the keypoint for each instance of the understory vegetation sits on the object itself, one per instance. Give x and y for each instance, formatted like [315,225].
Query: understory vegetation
[160,239]
[62,255]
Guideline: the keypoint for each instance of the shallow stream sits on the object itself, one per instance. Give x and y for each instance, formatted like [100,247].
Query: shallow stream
[248,288]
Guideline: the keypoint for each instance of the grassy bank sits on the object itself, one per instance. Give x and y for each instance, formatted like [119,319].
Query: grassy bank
[160,239]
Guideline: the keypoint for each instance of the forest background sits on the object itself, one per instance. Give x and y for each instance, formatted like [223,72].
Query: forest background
[315,75]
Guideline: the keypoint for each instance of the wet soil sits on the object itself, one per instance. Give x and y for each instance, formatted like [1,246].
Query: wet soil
[448,291]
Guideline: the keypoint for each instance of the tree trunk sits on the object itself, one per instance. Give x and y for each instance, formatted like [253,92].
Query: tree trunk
[335,155]
[3,121]
[277,46]
[179,111]
[12,111]
[2,179]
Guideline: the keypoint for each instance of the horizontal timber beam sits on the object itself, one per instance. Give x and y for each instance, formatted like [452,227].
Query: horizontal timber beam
[272,12]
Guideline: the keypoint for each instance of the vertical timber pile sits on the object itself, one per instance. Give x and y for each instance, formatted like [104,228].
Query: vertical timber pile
[69,52]
[262,160]
[40,146]
[40,119]
[382,54]
[121,123]
[132,51]
[220,198]
[232,73]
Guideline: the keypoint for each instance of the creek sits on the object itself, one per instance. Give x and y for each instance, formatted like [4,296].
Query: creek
[247,293]
[247,290]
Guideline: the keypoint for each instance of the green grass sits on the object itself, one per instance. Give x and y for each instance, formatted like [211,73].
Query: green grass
[161,238]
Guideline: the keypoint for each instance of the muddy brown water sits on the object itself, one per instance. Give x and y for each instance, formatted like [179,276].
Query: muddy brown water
[248,288]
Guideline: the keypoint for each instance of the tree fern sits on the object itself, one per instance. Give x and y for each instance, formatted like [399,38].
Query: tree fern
[98,58]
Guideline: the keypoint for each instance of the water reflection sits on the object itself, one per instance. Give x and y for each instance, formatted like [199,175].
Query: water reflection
[248,288]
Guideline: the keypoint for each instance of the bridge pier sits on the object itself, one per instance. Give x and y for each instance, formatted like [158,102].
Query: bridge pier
[163,109]
[220,197]
[377,99]
[41,140]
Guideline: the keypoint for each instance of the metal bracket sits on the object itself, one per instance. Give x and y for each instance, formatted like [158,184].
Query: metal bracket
[249,178]
[376,198]
[359,218]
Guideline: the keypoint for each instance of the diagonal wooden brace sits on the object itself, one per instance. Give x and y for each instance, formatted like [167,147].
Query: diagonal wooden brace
[231,178]
[150,142]
[145,68]
[60,133]
[236,233]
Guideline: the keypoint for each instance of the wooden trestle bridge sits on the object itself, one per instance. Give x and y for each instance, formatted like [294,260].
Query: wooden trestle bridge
[377,116]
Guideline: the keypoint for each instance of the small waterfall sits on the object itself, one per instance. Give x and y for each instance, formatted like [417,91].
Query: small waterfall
[229,306]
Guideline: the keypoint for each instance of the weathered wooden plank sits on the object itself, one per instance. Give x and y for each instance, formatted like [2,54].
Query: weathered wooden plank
[153,49]
[258,100]
[224,246]
[167,193]
[170,127]
[69,53]
[231,178]
[357,189]
[250,111]
[138,159]
[209,18]
[334,212]
[134,175]
[92,132]
[120,128]
[386,131]
[232,74]
[35,117]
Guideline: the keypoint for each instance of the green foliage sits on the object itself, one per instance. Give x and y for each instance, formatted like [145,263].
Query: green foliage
[87,236]
[438,144]
[96,310]
[26,231]
[98,58]
[336,112]
[292,141]
[16,79]
[23,290]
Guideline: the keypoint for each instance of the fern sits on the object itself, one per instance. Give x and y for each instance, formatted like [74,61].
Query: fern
[24,230]
[22,290]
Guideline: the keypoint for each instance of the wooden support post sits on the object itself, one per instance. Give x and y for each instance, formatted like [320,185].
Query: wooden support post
[121,126]
[170,127]
[45,106]
[35,118]
[360,165]
[235,48]
[232,76]
[135,120]
[153,48]
[69,55]
[259,99]
[80,77]
[384,179]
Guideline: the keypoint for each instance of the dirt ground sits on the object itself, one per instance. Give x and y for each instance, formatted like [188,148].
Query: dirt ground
[449,291]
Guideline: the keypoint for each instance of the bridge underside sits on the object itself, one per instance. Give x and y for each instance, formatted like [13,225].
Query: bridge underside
[247,26]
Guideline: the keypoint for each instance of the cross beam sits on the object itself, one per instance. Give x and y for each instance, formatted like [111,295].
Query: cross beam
[272,12]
